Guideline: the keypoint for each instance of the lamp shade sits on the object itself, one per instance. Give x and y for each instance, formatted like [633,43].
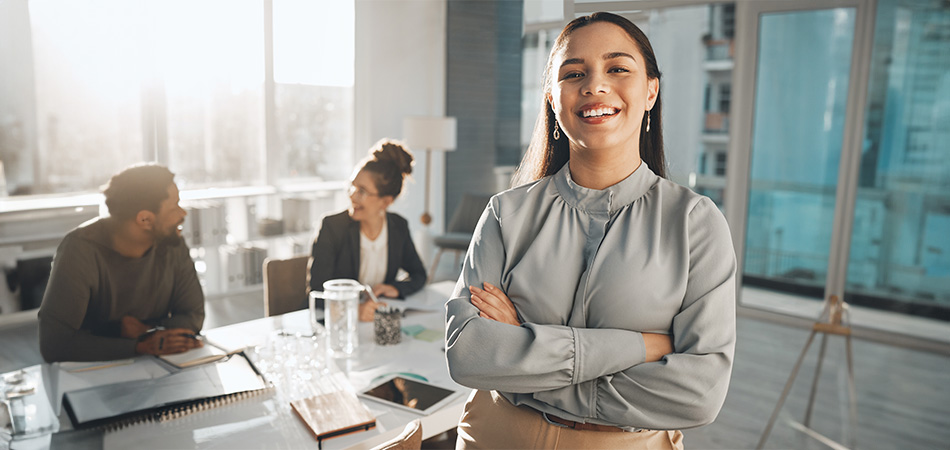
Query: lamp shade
[430,133]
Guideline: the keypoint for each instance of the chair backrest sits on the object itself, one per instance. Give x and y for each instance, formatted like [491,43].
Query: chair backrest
[467,213]
[285,284]
[409,439]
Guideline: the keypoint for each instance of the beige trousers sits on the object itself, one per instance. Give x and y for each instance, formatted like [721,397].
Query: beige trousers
[491,422]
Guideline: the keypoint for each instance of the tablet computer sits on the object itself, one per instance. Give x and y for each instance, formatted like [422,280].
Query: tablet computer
[409,394]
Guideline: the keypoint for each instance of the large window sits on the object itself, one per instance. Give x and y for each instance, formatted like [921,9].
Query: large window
[848,168]
[314,63]
[900,243]
[796,146]
[102,84]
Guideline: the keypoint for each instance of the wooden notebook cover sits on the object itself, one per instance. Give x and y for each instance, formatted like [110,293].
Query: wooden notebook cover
[334,414]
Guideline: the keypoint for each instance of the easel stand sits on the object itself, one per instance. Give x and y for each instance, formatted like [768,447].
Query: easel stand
[834,320]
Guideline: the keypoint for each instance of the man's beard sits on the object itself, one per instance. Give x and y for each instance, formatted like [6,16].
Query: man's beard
[170,239]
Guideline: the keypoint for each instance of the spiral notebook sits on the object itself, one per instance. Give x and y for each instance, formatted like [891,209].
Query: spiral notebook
[175,395]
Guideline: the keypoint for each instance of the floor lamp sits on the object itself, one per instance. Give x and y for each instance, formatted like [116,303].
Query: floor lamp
[432,134]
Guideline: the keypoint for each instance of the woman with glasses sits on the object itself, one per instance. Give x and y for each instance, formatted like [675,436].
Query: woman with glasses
[596,305]
[366,242]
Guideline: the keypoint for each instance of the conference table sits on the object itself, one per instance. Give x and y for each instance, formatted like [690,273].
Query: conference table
[283,349]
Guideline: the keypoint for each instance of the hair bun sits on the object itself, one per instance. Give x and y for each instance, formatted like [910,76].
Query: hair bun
[394,153]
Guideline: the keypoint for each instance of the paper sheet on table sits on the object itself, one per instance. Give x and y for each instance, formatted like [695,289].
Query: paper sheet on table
[432,298]
[142,368]
[422,301]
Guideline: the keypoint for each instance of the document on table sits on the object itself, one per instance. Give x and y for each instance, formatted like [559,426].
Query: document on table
[73,376]
[184,392]
[209,352]
[432,298]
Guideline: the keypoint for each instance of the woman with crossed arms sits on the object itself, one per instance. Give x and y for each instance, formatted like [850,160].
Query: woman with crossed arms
[596,306]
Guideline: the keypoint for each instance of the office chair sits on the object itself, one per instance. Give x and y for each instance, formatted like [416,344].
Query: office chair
[285,284]
[409,439]
[458,233]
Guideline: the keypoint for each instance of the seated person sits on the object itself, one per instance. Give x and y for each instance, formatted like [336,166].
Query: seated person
[365,242]
[124,284]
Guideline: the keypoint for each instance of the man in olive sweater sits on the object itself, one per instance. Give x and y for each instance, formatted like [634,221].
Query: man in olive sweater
[125,284]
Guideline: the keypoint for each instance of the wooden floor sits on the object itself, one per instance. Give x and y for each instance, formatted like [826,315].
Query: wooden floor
[903,395]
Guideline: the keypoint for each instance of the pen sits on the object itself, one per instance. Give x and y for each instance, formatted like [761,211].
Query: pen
[148,333]
[369,290]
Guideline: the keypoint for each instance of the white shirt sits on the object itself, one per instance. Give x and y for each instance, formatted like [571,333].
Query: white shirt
[374,255]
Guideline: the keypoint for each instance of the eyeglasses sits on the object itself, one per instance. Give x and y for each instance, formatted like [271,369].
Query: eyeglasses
[359,192]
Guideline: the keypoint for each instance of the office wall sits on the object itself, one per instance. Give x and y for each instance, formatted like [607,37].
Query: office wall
[400,71]
[484,92]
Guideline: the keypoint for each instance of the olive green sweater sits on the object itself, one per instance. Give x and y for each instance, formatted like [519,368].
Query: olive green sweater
[91,287]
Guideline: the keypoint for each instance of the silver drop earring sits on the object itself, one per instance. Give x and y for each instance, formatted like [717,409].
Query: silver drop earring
[557,132]
[648,121]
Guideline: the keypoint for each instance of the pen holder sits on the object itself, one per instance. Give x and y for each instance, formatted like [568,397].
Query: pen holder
[388,326]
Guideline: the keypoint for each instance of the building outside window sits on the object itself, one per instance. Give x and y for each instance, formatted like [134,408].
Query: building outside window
[900,244]
[99,85]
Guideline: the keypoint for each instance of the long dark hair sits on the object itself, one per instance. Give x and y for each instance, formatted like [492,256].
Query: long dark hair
[545,155]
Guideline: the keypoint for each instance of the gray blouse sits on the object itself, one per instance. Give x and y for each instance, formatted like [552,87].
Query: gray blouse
[588,271]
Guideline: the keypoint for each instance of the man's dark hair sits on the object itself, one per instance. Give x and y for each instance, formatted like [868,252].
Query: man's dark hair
[136,188]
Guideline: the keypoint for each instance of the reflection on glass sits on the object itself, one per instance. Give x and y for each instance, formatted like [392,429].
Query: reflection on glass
[314,75]
[900,243]
[537,11]
[801,91]
[213,89]
[86,65]
[90,87]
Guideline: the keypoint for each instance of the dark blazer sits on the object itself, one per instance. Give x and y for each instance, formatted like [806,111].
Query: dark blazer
[336,253]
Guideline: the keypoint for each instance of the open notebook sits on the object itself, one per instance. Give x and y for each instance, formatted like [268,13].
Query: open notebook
[208,353]
[168,397]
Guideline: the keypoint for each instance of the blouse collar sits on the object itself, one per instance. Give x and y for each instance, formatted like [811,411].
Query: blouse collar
[610,199]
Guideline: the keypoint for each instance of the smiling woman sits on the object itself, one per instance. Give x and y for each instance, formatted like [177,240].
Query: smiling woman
[596,306]
[601,98]
[366,242]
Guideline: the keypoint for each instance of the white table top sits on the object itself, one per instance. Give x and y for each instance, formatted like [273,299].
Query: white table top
[267,421]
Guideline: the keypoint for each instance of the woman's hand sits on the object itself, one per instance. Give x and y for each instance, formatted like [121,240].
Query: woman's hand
[657,346]
[494,304]
[368,310]
[385,290]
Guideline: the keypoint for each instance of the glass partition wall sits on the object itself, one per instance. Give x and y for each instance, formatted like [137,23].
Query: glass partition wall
[840,132]
[820,130]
